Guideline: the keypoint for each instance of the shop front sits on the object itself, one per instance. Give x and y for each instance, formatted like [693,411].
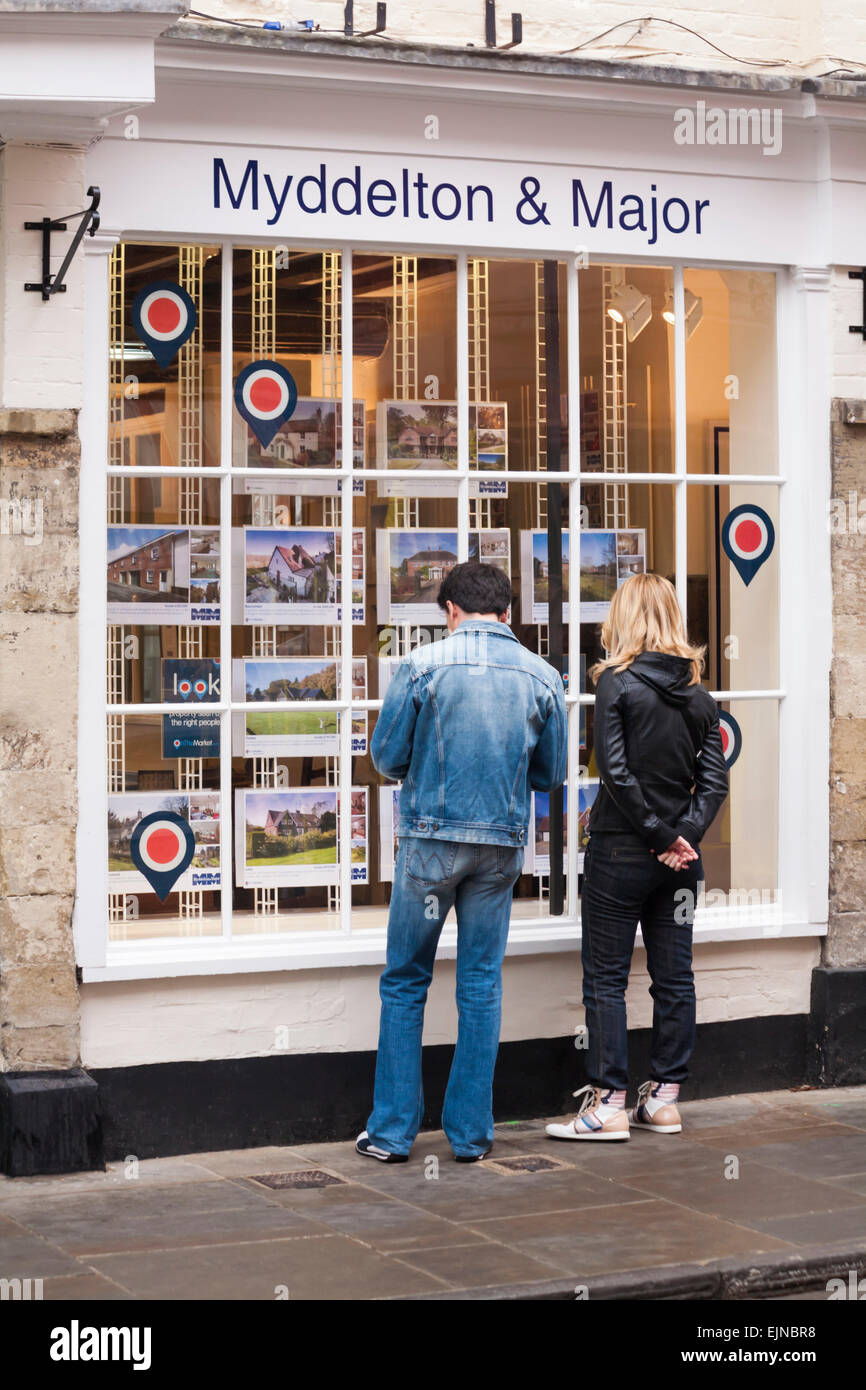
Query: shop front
[346,325]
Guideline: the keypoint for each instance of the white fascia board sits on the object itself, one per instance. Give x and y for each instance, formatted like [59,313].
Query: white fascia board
[205,62]
[168,960]
[85,66]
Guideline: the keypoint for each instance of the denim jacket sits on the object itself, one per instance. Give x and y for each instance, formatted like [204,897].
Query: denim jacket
[470,724]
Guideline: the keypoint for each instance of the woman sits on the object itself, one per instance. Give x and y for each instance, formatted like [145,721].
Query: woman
[663,778]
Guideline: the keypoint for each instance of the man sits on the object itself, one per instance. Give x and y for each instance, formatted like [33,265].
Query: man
[470,724]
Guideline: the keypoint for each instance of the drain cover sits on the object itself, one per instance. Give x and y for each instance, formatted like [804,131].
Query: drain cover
[302,1177]
[527,1163]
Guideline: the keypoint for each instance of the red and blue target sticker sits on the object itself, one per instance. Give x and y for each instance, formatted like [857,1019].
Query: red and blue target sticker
[265,396]
[162,848]
[748,537]
[732,737]
[164,318]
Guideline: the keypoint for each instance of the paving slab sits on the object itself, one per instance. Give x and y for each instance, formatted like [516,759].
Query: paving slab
[756,1193]
[485,1264]
[329,1267]
[597,1240]
[25,1255]
[158,1218]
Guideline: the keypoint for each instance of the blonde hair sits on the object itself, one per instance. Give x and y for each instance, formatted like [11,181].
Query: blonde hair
[644,616]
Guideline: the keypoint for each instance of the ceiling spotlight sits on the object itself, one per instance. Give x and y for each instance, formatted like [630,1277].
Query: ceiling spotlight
[694,311]
[627,305]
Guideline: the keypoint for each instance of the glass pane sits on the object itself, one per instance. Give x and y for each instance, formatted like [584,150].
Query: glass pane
[627,369]
[404,314]
[733,584]
[151,771]
[512,312]
[608,556]
[286,361]
[164,356]
[731,371]
[740,849]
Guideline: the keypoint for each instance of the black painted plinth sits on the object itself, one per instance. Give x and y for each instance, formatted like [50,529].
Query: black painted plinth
[50,1122]
[837,1033]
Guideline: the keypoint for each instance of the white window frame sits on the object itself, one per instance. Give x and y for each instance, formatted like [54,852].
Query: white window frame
[805,614]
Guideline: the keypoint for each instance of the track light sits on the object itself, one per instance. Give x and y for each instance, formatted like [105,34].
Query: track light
[629,306]
[694,311]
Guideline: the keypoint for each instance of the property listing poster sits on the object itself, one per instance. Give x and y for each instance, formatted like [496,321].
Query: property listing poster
[539,829]
[311,437]
[290,575]
[289,837]
[161,575]
[201,810]
[389,819]
[299,727]
[411,564]
[423,435]
[607,559]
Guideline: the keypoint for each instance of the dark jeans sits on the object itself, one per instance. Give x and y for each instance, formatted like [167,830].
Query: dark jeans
[624,884]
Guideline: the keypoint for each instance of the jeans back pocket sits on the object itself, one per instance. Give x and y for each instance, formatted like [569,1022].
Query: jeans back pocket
[430,861]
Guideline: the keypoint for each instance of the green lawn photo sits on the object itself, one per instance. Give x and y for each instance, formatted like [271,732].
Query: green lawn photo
[294,722]
[271,853]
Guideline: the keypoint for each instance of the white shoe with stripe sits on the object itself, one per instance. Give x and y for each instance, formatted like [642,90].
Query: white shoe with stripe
[654,1112]
[595,1119]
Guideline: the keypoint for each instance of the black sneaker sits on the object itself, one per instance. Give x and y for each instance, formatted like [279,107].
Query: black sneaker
[473,1158]
[364,1146]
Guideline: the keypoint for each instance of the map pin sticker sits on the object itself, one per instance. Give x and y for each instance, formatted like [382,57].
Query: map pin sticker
[266,396]
[162,848]
[164,317]
[732,737]
[748,538]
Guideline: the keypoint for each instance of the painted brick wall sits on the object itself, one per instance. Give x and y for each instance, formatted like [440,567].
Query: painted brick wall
[819,33]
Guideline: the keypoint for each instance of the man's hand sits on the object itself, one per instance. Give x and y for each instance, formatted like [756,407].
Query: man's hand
[678,855]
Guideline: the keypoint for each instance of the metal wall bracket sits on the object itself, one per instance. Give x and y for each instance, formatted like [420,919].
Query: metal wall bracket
[349,21]
[49,284]
[490,27]
[859,327]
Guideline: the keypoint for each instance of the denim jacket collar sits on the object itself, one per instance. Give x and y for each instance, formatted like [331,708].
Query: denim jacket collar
[474,624]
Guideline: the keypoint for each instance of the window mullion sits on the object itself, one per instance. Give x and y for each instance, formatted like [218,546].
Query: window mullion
[680,440]
[574,488]
[226,581]
[462,406]
[344,781]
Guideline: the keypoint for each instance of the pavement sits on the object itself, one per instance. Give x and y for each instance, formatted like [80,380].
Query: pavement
[762,1196]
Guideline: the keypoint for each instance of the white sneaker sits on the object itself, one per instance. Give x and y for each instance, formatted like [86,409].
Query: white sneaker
[652,1113]
[594,1120]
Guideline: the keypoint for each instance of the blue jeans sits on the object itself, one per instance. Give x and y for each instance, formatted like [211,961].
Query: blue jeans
[431,876]
[624,884]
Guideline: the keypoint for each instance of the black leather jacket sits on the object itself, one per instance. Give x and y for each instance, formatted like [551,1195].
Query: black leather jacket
[659,753]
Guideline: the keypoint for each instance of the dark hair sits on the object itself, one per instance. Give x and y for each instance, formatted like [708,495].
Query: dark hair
[476,588]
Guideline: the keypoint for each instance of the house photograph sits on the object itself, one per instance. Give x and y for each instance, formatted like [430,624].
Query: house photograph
[147,564]
[284,568]
[290,829]
[418,434]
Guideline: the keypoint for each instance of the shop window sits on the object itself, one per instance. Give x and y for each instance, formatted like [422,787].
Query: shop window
[422,423]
